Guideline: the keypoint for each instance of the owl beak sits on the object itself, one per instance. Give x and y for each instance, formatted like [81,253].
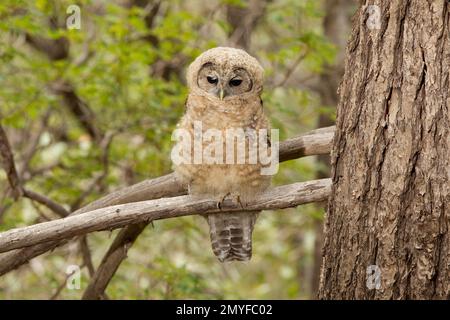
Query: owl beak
[221,94]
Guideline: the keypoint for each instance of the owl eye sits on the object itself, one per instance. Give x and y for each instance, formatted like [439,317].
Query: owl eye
[235,82]
[212,80]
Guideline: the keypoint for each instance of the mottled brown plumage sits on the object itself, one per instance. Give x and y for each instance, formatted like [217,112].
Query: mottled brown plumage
[240,78]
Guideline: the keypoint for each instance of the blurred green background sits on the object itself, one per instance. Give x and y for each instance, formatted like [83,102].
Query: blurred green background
[92,110]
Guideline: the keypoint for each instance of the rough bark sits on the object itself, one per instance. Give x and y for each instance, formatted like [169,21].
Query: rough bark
[390,201]
[336,27]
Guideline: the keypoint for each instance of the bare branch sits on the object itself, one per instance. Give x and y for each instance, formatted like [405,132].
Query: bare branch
[77,107]
[55,49]
[49,203]
[86,254]
[243,20]
[291,70]
[58,49]
[62,285]
[124,214]
[32,147]
[315,142]
[112,260]
[104,159]
[14,180]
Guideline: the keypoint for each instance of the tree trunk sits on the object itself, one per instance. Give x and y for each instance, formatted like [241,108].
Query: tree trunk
[336,27]
[387,222]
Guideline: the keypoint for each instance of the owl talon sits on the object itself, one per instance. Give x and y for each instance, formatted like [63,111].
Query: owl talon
[238,198]
[219,203]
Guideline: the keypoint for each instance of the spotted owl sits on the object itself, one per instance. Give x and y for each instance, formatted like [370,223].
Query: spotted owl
[225,86]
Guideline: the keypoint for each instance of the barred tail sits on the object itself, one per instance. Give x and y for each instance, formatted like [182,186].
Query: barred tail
[231,234]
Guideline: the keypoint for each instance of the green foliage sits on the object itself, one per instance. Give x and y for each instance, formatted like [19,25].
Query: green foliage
[114,66]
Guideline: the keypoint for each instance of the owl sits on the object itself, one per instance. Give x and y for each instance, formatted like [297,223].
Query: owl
[225,86]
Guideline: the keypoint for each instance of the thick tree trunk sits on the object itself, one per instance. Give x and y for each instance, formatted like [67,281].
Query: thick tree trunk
[336,27]
[387,222]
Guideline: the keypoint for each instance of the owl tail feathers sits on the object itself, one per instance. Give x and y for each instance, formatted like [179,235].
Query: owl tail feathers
[231,234]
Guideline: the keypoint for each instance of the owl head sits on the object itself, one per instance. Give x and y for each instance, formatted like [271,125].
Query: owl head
[225,74]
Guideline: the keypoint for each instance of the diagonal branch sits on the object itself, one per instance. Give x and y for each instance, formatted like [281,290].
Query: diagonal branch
[54,49]
[312,143]
[112,260]
[7,161]
[58,49]
[9,166]
[79,109]
[46,201]
[243,20]
[144,211]
[291,69]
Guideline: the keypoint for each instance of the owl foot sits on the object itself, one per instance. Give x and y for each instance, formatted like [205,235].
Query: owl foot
[238,198]
[235,198]
[219,203]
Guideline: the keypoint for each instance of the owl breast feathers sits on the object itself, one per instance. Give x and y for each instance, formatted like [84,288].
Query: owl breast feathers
[225,85]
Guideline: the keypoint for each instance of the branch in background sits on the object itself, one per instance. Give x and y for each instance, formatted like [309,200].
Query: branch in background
[14,180]
[62,285]
[104,160]
[77,107]
[243,20]
[4,206]
[112,260]
[151,9]
[166,186]
[8,164]
[58,49]
[7,161]
[33,172]
[42,215]
[118,216]
[44,200]
[160,68]
[86,255]
[86,52]
[291,70]
[54,49]
[32,147]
